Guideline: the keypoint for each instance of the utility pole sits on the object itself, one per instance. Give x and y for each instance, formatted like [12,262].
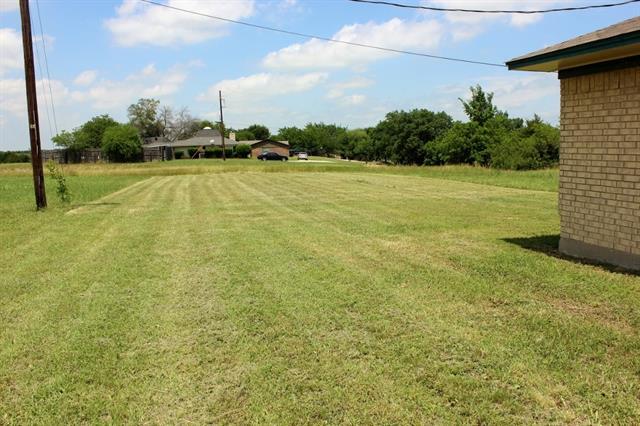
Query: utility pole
[224,151]
[32,107]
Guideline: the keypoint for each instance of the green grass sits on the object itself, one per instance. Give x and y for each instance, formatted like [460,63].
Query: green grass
[358,295]
[542,180]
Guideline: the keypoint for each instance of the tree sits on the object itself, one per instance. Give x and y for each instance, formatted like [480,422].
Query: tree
[90,134]
[143,115]
[243,150]
[122,143]
[402,136]
[179,125]
[259,131]
[356,144]
[65,139]
[322,139]
[294,135]
[479,108]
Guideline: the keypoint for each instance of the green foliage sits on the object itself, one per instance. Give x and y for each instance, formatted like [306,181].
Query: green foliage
[356,145]
[14,157]
[532,147]
[122,143]
[62,188]
[143,115]
[90,134]
[66,139]
[245,135]
[297,138]
[243,150]
[192,152]
[207,123]
[178,155]
[213,152]
[479,108]
[401,137]
[259,131]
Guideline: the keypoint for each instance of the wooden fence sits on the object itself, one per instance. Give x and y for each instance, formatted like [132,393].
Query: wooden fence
[95,155]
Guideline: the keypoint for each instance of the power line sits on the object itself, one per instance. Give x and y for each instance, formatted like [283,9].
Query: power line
[526,12]
[46,64]
[332,40]
[44,90]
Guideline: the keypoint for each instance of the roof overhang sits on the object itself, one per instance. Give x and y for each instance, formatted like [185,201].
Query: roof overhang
[604,50]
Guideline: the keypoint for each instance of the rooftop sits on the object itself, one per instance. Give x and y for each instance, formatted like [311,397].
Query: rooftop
[621,40]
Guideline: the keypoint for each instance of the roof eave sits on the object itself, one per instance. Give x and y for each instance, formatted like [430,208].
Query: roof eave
[551,61]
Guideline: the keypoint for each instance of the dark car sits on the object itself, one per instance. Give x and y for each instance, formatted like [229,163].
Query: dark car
[272,156]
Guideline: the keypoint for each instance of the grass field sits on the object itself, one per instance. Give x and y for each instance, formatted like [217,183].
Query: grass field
[195,292]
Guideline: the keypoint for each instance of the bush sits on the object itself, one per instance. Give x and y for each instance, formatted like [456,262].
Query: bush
[192,152]
[121,143]
[213,152]
[62,189]
[243,150]
[515,153]
[178,155]
[14,157]
[228,152]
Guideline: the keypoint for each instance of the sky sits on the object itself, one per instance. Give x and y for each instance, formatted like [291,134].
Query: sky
[105,55]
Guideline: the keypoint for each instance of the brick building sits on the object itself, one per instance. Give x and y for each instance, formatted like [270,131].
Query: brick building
[599,195]
[268,145]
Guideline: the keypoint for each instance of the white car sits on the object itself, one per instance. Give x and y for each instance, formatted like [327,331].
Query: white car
[303,156]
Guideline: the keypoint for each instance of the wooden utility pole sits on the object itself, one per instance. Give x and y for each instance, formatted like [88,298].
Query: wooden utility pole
[32,107]
[224,151]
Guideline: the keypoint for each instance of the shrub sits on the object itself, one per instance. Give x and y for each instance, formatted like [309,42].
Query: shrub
[228,152]
[192,152]
[178,155]
[213,152]
[121,143]
[243,150]
[61,189]
[14,157]
[515,153]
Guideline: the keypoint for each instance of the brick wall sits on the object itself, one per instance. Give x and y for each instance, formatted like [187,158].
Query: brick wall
[270,147]
[599,199]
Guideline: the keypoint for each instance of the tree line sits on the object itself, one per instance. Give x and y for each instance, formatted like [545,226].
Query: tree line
[417,137]
[422,137]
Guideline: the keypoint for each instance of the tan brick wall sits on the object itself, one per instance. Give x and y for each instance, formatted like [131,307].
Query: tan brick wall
[270,147]
[600,159]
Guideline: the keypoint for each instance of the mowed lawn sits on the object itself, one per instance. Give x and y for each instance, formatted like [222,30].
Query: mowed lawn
[307,296]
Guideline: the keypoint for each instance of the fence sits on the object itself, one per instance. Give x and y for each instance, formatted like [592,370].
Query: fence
[95,155]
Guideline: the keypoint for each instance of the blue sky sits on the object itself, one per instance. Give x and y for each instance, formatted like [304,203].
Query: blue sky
[104,55]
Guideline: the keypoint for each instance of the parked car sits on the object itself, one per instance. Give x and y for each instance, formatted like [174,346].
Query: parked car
[272,156]
[303,156]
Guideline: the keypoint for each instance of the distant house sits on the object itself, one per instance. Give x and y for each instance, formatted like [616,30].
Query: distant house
[268,145]
[599,198]
[209,137]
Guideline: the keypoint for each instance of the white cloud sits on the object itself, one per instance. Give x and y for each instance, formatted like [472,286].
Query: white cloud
[519,95]
[8,5]
[146,83]
[337,90]
[13,98]
[85,78]
[11,48]
[468,25]
[138,23]
[355,99]
[395,33]
[264,85]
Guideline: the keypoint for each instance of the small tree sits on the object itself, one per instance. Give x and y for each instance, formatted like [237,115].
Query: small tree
[479,108]
[243,150]
[143,115]
[122,143]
